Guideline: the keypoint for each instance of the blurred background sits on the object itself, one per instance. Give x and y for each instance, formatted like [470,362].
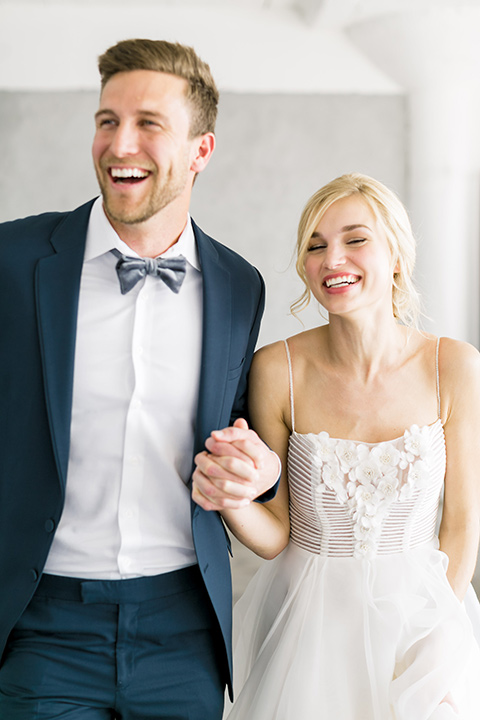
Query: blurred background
[310,89]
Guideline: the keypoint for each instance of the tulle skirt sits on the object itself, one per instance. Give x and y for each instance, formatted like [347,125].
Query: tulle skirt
[322,638]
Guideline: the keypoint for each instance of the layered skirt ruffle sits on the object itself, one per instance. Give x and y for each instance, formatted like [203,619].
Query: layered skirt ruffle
[347,639]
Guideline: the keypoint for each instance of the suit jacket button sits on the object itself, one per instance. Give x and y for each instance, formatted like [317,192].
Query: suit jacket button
[50,525]
[34,575]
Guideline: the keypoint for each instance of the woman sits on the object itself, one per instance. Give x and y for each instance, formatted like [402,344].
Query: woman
[362,616]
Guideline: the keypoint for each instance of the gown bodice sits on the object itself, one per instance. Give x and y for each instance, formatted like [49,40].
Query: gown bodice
[350,498]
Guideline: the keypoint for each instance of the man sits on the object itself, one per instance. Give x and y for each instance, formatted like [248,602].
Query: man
[115,599]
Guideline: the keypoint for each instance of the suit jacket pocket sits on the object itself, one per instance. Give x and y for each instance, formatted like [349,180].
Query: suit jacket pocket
[236,371]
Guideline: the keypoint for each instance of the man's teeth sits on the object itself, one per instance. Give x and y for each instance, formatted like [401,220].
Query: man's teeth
[128,172]
[341,281]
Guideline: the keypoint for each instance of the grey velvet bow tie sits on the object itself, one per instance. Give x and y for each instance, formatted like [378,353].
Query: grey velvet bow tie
[130,270]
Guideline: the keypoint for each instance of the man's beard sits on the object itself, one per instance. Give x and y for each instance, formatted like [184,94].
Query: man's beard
[160,195]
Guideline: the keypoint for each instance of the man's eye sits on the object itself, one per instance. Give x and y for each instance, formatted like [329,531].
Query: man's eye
[106,122]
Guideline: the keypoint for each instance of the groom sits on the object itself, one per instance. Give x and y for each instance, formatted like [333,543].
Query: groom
[116,599]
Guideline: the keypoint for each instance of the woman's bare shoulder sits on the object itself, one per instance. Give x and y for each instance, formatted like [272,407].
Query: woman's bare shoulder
[459,362]
[276,353]
[458,349]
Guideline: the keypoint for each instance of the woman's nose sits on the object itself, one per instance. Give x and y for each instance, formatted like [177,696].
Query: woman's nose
[334,256]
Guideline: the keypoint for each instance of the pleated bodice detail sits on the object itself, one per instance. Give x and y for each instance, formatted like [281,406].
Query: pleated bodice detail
[350,498]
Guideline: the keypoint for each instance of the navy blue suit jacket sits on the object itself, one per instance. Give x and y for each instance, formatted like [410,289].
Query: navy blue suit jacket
[41,261]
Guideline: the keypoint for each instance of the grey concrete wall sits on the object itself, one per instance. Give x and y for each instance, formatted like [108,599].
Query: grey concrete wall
[45,141]
[273,152]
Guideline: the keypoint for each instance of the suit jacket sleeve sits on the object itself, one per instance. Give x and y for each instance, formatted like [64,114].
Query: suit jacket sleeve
[240,406]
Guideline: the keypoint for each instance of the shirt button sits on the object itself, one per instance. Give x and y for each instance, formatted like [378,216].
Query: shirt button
[34,575]
[50,525]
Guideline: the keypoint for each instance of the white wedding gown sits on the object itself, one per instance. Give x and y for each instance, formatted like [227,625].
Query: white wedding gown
[356,620]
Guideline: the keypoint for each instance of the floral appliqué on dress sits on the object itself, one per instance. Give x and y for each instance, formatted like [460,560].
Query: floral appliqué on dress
[366,479]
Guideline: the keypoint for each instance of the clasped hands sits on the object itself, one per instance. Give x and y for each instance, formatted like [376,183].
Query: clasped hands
[235,468]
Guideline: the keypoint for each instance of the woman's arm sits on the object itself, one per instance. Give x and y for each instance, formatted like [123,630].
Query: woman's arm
[460,526]
[264,528]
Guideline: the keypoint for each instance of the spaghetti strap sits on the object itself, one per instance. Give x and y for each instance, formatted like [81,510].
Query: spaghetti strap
[290,377]
[437,374]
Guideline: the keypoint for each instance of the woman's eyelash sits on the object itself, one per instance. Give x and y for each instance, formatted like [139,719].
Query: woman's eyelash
[320,246]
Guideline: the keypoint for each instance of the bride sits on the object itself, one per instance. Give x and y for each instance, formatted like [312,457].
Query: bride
[365,613]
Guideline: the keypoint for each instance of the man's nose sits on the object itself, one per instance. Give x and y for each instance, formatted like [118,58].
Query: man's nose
[125,141]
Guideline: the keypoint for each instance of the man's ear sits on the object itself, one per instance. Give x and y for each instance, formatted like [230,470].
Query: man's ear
[204,146]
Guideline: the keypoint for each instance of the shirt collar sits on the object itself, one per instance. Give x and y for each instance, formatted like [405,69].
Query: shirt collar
[101,238]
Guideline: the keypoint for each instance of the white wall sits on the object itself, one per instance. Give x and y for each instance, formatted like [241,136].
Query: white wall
[53,46]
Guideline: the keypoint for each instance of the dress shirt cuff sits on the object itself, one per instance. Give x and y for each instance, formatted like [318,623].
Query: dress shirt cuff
[271,492]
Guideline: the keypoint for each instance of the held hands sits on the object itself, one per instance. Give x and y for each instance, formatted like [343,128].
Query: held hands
[235,469]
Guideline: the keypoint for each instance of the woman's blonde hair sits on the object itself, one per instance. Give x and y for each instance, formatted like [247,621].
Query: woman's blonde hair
[389,211]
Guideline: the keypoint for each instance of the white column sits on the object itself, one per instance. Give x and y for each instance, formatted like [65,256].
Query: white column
[435,56]
[444,206]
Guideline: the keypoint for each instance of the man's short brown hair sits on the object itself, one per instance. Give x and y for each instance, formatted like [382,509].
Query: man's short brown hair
[172,58]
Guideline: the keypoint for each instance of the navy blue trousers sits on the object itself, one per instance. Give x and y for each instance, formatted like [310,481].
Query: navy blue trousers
[140,649]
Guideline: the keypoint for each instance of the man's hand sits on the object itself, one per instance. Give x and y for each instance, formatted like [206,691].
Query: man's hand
[235,469]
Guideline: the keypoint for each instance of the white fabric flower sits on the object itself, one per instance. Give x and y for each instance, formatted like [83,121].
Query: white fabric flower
[419,475]
[387,488]
[351,487]
[403,462]
[365,499]
[368,468]
[334,478]
[346,452]
[365,530]
[324,447]
[417,442]
[368,516]
[364,549]
[362,532]
[387,455]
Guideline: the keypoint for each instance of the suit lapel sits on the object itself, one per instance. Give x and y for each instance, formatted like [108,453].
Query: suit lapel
[217,329]
[57,290]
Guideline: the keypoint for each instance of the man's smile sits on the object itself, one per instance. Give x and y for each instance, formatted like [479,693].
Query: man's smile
[128,174]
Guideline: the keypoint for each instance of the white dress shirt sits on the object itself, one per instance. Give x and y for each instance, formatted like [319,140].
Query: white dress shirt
[135,394]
